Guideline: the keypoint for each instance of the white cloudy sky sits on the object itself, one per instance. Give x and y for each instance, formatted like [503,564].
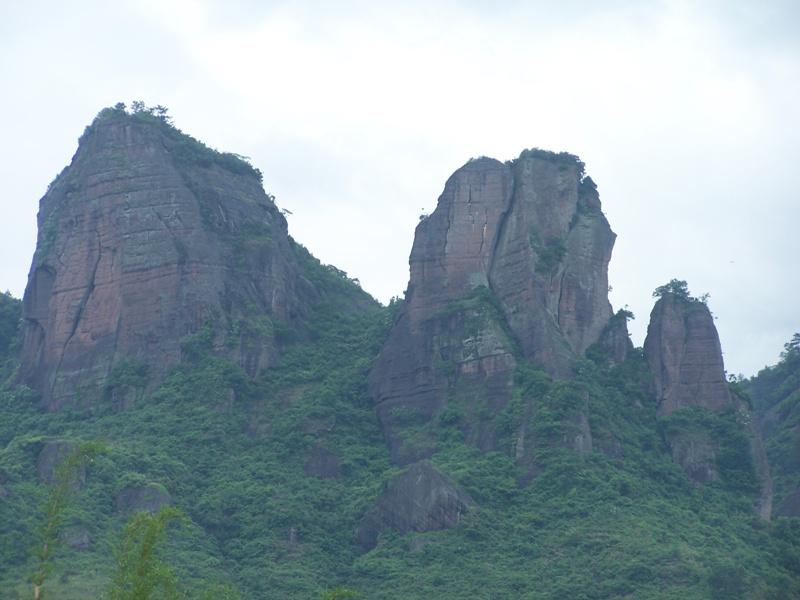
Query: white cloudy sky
[687,115]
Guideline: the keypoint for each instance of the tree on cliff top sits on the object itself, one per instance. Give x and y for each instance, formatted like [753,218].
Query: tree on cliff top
[680,290]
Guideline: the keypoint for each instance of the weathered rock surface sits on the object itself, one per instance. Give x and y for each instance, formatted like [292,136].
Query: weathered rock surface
[696,454]
[683,350]
[148,497]
[145,238]
[421,499]
[513,262]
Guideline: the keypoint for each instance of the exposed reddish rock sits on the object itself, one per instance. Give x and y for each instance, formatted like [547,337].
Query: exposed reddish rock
[683,350]
[145,238]
[512,263]
[421,499]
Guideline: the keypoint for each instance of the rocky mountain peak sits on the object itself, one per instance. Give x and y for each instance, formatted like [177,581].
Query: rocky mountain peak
[685,357]
[683,350]
[511,264]
[147,237]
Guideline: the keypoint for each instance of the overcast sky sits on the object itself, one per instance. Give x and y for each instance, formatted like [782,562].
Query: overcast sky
[687,115]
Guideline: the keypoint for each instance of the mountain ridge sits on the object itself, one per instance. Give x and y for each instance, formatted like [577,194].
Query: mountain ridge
[525,448]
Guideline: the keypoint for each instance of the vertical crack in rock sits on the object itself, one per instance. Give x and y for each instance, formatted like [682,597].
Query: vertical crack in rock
[152,283]
[492,281]
[560,297]
[87,293]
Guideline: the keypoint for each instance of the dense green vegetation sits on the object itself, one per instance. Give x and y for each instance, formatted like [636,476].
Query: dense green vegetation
[564,160]
[186,149]
[620,521]
[679,289]
[230,450]
[255,486]
[775,392]
[10,319]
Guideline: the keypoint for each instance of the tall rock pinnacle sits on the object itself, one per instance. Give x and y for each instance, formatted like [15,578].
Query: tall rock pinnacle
[683,350]
[147,236]
[512,263]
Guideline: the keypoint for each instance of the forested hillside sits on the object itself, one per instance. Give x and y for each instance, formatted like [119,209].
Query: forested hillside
[776,396]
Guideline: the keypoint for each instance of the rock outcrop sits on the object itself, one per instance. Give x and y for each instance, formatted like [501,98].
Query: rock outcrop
[512,263]
[51,456]
[685,357]
[421,499]
[683,350]
[146,497]
[147,237]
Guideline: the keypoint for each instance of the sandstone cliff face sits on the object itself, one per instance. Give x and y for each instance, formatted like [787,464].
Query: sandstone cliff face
[145,238]
[683,350]
[512,263]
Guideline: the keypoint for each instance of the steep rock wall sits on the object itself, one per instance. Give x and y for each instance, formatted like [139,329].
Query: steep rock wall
[683,350]
[145,238]
[512,263]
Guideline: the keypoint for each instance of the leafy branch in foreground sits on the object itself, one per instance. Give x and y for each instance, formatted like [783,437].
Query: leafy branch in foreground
[140,571]
[57,501]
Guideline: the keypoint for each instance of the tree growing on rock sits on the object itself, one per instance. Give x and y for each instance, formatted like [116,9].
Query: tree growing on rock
[679,289]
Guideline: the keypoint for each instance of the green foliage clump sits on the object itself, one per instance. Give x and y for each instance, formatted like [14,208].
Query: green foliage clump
[141,573]
[732,446]
[775,393]
[10,332]
[679,289]
[54,508]
[549,254]
[127,373]
[184,148]
[564,160]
